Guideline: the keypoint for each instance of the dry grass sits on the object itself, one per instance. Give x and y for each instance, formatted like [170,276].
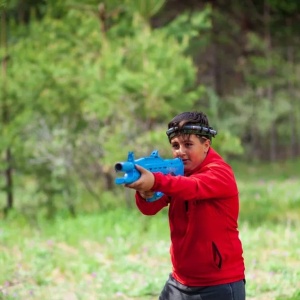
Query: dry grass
[124,255]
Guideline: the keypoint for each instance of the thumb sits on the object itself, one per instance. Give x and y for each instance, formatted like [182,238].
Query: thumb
[140,169]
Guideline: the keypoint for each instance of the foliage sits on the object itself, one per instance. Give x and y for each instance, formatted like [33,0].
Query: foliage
[81,81]
[146,9]
[190,24]
[87,89]
[265,105]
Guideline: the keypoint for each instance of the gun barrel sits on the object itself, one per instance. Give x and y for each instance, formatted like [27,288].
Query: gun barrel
[124,166]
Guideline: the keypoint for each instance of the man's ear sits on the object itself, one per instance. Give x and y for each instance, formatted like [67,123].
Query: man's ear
[207,144]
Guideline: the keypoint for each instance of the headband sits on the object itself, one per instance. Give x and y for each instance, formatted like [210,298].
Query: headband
[191,129]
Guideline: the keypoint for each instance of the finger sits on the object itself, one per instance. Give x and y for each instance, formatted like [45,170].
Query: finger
[130,186]
[135,185]
[146,194]
[140,169]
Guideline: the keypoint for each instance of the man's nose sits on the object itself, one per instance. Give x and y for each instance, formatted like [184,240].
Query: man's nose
[180,151]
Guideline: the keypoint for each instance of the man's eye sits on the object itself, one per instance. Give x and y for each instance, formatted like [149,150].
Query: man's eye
[188,145]
[175,146]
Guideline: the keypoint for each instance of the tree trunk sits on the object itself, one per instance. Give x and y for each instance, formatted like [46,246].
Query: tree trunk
[216,63]
[291,90]
[8,173]
[270,93]
[8,182]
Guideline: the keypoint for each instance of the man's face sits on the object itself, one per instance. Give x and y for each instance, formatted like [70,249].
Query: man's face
[190,149]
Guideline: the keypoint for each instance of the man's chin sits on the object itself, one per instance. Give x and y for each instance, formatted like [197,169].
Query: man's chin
[187,168]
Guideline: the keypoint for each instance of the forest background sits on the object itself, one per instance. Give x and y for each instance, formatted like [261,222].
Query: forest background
[84,82]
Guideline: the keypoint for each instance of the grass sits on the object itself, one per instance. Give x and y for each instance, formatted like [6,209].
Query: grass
[121,254]
[92,257]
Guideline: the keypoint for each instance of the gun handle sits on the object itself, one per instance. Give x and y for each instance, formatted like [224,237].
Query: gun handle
[155,197]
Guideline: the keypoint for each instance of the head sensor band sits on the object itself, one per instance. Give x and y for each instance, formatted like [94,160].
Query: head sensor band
[191,129]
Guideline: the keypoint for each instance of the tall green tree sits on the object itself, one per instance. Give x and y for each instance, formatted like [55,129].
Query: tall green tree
[84,95]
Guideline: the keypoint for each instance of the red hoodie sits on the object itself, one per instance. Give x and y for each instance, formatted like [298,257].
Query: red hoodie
[203,212]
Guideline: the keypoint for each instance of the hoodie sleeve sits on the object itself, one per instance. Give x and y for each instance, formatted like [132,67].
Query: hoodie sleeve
[150,208]
[214,181]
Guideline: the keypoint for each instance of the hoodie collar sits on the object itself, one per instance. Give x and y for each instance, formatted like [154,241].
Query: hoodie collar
[211,155]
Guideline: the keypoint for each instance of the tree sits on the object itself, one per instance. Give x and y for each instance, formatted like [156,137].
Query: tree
[89,91]
[5,117]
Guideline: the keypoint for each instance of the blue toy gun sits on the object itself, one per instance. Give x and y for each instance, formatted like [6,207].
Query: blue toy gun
[153,163]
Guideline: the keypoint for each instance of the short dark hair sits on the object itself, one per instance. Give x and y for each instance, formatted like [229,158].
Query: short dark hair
[190,118]
[190,123]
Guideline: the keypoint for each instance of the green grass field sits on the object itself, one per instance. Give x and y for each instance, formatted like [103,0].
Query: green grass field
[121,254]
